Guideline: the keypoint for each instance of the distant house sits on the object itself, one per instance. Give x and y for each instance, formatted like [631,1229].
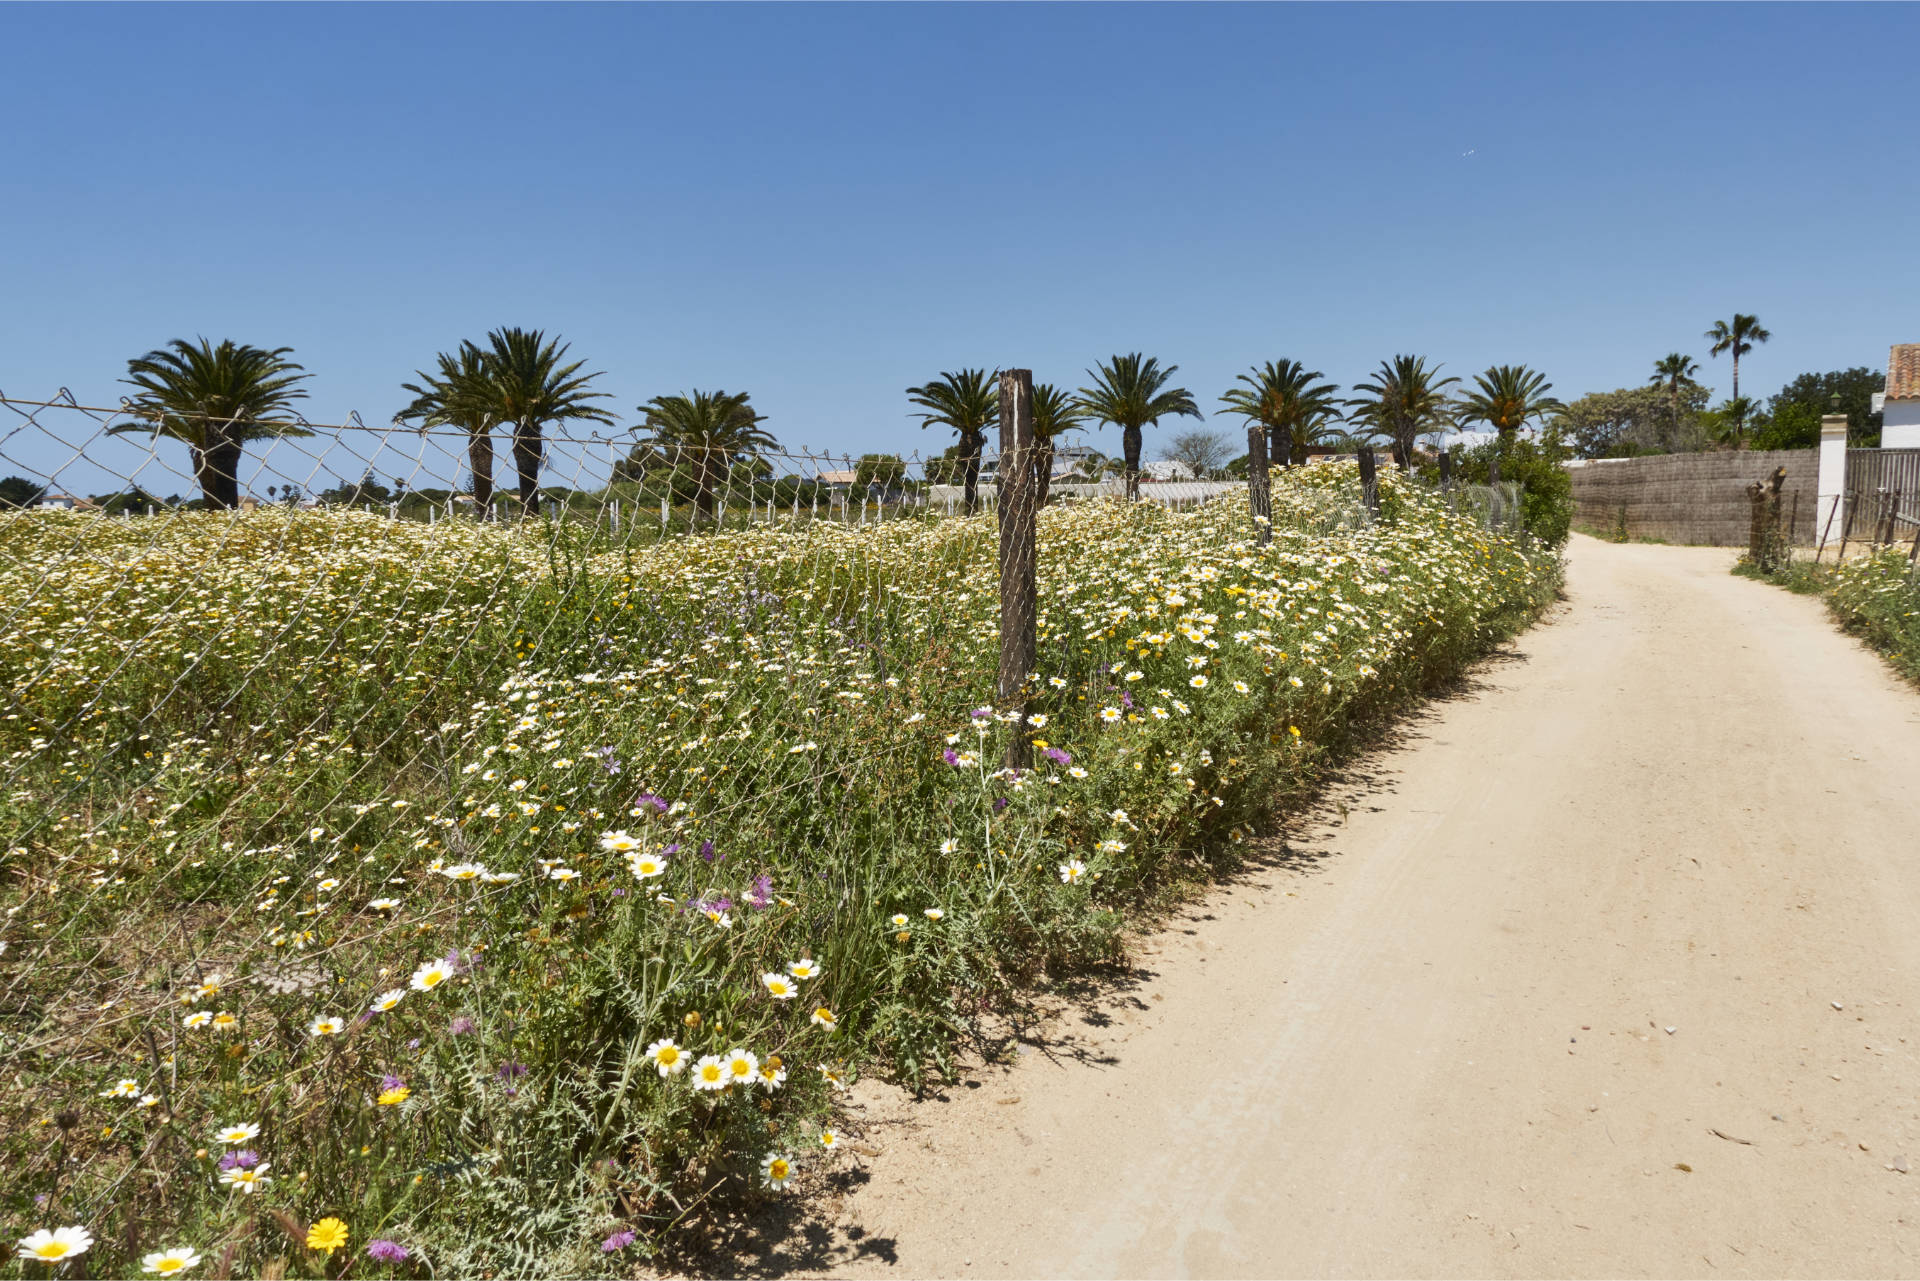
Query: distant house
[66,503]
[1068,461]
[1166,469]
[1900,407]
[840,479]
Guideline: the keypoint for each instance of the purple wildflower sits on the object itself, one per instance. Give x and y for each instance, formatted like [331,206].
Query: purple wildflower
[1055,754]
[511,1069]
[670,850]
[241,1159]
[608,762]
[1126,700]
[619,893]
[461,1025]
[392,1082]
[414,1044]
[980,713]
[951,757]
[706,851]
[618,1241]
[1000,805]
[647,800]
[761,895]
[386,1251]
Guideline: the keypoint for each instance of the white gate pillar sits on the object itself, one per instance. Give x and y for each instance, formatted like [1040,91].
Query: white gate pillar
[1829,514]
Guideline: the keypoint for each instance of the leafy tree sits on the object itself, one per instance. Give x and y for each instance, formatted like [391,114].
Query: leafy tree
[366,492]
[1202,451]
[1403,401]
[969,403]
[528,386]
[947,467]
[1131,393]
[709,432]
[879,471]
[135,500]
[1633,420]
[1674,371]
[1793,416]
[1737,338]
[1283,398]
[1055,412]
[214,400]
[18,491]
[460,395]
[1506,397]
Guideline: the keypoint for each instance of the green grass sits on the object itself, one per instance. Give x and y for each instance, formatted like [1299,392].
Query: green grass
[231,741]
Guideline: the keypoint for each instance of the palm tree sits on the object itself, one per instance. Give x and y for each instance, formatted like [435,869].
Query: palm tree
[1733,417]
[1506,397]
[528,387]
[1675,370]
[1285,400]
[1738,338]
[1054,412]
[1403,402]
[214,400]
[969,403]
[708,430]
[1131,393]
[459,396]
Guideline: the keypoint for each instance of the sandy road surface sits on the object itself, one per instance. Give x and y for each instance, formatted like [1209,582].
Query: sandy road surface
[1433,1039]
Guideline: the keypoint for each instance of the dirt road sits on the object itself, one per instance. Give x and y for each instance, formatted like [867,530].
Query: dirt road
[1611,969]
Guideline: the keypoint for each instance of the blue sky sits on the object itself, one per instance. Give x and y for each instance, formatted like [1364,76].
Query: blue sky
[822,205]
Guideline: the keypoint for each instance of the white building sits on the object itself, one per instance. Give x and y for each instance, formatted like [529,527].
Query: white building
[1900,403]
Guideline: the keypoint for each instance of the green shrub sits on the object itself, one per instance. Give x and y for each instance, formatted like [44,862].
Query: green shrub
[1546,505]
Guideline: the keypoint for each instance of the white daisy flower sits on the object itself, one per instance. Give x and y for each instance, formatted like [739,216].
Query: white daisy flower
[55,1245]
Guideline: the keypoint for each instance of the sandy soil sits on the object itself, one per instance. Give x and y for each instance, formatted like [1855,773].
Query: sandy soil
[1609,968]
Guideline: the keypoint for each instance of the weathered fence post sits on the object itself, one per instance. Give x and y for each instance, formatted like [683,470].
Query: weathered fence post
[1019,588]
[1446,470]
[1775,548]
[1259,484]
[1846,527]
[1369,484]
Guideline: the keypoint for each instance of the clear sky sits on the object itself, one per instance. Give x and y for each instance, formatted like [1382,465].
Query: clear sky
[822,205]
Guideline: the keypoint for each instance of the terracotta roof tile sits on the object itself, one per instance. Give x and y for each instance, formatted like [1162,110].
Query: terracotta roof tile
[1903,372]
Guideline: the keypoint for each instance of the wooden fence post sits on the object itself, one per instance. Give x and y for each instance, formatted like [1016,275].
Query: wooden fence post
[1446,470]
[1369,484]
[1259,484]
[1019,588]
[1757,524]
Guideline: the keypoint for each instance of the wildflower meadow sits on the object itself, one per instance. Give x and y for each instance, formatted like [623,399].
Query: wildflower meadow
[471,898]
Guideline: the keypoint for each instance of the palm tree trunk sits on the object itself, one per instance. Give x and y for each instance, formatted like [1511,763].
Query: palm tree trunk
[217,471]
[480,463]
[1042,471]
[970,472]
[1130,445]
[526,462]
